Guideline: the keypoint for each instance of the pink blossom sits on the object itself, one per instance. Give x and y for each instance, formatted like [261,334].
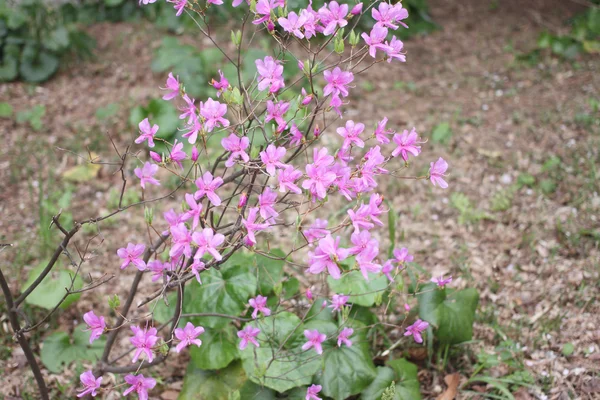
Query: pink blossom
[309,294]
[243,200]
[215,2]
[270,74]
[333,16]
[306,98]
[402,256]
[196,267]
[157,158]
[177,154]
[336,103]
[338,301]
[337,82]
[182,239]
[207,242]
[287,176]
[95,324]
[157,268]
[252,226]
[248,334]
[195,154]
[351,133]
[366,262]
[132,254]
[146,174]
[271,158]
[266,201]
[406,307]
[188,336]
[361,218]
[311,18]
[143,340]
[387,269]
[189,111]
[260,305]
[207,185]
[172,83]
[213,112]
[381,132]
[147,133]
[221,85]
[408,143]
[326,256]
[179,5]
[237,146]
[318,180]
[362,241]
[276,111]
[292,24]
[375,39]
[193,129]
[173,219]
[394,49]
[195,211]
[296,137]
[146,2]
[343,337]
[441,281]
[436,172]
[312,391]
[415,330]
[316,231]
[315,339]
[263,8]
[357,9]
[388,15]
[321,158]
[140,385]
[90,384]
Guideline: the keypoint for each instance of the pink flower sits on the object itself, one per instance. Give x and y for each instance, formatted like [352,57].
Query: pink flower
[266,201]
[287,176]
[271,158]
[361,218]
[140,385]
[387,269]
[188,336]
[362,241]
[143,340]
[193,129]
[248,334]
[146,174]
[172,85]
[441,281]
[147,133]
[394,50]
[196,267]
[195,211]
[263,8]
[318,180]
[335,103]
[157,267]
[388,15]
[311,19]
[252,226]
[381,132]
[338,301]
[95,324]
[343,337]
[333,17]
[315,339]
[309,294]
[213,111]
[375,39]
[237,146]
[207,242]
[316,231]
[90,384]
[221,85]
[292,24]
[351,133]
[132,254]
[179,5]
[207,187]
[407,144]
[357,9]
[195,154]
[276,111]
[296,135]
[337,82]
[402,256]
[311,392]
[406,307]
[326,256]
[366,263]
[189,111]
[307,98]
[436,172]
[270,74]
[157,158]
[182,239]
[215,2]
[177,154]
[260,305]
[415,330]
[321,158]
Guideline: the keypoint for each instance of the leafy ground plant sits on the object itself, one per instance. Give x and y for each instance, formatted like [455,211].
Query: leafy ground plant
[269,269]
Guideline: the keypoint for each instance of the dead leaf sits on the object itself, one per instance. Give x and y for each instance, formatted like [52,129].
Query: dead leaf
[522,394]
[591,386]
[452,382]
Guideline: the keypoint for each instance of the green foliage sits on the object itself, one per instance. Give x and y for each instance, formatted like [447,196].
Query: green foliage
[6,110]
[468,213]
[397,381]
[218,385]
[362,292]
[442,133]
[34,37]
[32,117]
[219,348]
[59,350]
[162,113]
[53,288]
[502,200]
[568,349]
[451,312]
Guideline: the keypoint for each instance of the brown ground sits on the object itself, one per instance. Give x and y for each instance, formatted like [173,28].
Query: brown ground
[535,264]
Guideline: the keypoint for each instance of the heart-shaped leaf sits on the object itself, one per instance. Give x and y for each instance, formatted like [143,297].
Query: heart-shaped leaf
[399,378]
[200,384]
[52,289]
[59,349]
[219,348]
[361,291]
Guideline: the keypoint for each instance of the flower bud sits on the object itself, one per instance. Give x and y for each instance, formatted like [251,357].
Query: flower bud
[195,154]
[243,200]
[270,26]
[307,98]
[357,9]
[309,294]
[324,304]
[407,307]
[300,65]
[317,131]
[156,157]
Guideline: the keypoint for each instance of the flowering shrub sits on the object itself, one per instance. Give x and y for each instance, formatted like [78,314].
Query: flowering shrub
[273,161]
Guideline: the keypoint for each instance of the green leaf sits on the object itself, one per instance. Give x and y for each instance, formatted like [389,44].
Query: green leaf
[392,221]
[383,380]
[37,66]
[57,40]
[361,291]
[9,68]
[252,391]
[52,289]
[105,113]
[59,350]
[441,133]
[407,382]
[6,110]
[224,291]
[201,385]
[113,3]
[218,349]
[452,314]
[280,367]
[268,272]
[290,288]
[347,370]
[568,349]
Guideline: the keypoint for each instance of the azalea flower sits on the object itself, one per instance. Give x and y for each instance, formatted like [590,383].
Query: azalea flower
[408,143]
[188,336]
[338,301]
[394,49]
[351,133]
[293,23]
[147,133]
[402,256]
[375,40]
[315,339]
[213,112]
[441,281]
[318,180]
[182,239]
[271,157]
[195,211]
[332,16]
[146,174]
[237,146]
[172,84]
[260,305]
[436,172]
[207,185]
[287,176]
[207,242]
[196,267]
[221,85]
[388,15]
[326,256]
[132,254]
[276,111]
[316,231]
[337,82]
[248,334]
[366,263]
[415,330]
[381,132]
[95,324]
[270,74]
[266,201]
[311,392]
[252,226]
[90,384]
[343,337]
[143,340]
[140,385]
